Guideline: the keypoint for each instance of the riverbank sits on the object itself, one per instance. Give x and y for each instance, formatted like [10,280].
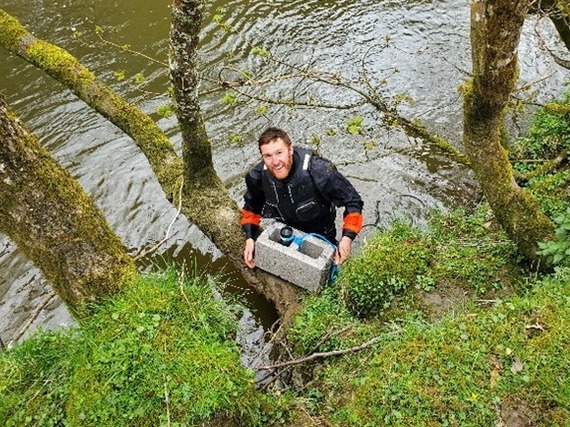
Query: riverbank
[473,339]
[439,325]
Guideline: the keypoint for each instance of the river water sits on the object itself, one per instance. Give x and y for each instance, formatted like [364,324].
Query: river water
[419,49]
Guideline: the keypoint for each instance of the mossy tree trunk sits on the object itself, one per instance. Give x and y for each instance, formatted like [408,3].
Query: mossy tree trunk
[205,200]
[209,204]
[51,219]
[495,33]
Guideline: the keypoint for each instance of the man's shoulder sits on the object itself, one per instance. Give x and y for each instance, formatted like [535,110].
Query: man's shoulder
[256,171]
[254,177]
[316,163]
[320,166]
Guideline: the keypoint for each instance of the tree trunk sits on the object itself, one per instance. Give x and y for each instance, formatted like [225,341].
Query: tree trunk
[495,32]
[209,204]
[48,215]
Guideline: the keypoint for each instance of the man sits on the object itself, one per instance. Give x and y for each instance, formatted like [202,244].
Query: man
[300,189]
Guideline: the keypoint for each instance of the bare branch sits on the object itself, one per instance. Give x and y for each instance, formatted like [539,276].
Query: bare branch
[565,63]
[126,48]
[167,235]
[546,167]
[322,355]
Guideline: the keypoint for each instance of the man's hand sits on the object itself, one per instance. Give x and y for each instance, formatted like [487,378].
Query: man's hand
[343,251]
[248,253]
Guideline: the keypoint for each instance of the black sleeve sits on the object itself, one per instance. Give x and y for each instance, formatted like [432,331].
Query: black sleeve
[254,199]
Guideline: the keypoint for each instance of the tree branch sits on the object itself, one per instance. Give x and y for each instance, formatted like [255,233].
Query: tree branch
[322,355]
[66,69]
[546,167]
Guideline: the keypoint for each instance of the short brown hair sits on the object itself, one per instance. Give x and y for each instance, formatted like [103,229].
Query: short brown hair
[271,134]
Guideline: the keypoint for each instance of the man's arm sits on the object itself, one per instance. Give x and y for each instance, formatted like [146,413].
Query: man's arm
[338,190]
[254,199]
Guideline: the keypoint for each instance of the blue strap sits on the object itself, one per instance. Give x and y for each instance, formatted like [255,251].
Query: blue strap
[298,240]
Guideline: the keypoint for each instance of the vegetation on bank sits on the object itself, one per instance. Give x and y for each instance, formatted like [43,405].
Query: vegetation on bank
[466,336]
[470,341]
[162,352]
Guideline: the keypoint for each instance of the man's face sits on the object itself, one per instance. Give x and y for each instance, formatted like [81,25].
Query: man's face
[278,157]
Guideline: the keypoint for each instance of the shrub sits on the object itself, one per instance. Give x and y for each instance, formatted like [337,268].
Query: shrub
[387,265]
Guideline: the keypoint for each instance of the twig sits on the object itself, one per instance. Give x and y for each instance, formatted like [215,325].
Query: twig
[314,422]
[262,350]
[322,355]
[128,49]
[560,61]
[537,326]
[167,236]
[49,296]
[546,167]
[274,377]
[167,401]
[323,339]
[181,284]
[329,334]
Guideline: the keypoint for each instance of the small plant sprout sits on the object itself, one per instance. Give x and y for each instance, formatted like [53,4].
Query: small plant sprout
[139,78]
[119,75]
[354,125]
[229,99]
[164,111]
[557,252]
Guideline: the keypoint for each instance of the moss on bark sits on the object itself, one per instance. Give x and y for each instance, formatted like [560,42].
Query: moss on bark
[51,219]
[495,32]
[65,68]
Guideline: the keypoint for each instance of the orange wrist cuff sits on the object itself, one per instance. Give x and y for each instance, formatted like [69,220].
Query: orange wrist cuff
[248,217]
[353,222]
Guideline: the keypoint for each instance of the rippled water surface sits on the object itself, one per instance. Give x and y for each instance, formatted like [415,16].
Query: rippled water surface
[416,48]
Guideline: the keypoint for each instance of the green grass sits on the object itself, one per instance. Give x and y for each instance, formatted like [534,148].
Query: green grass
[497,352]
[162,335]
[461,371]
[457,250]
[473,366]
[390,263]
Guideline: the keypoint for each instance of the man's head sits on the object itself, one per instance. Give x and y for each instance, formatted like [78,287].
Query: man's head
[276,151]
